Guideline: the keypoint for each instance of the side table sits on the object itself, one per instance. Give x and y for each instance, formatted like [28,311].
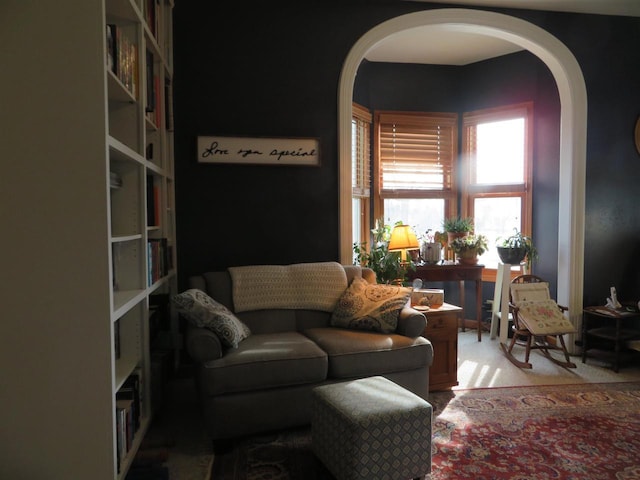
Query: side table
[442,332]
[605,327]
[454,272]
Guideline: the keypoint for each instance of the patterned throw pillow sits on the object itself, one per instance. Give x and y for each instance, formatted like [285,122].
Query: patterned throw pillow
[203,311]
[370,306]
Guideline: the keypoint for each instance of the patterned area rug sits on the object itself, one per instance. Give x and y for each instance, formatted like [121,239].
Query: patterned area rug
[564,432]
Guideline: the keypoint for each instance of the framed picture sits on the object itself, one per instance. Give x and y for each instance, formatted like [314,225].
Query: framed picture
[259,150]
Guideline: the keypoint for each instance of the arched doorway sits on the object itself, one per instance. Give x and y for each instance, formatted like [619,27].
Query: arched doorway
[573,127]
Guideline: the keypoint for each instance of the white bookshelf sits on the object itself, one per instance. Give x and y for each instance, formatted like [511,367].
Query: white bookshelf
[77,274]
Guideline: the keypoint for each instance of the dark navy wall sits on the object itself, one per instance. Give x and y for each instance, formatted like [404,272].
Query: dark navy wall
[274,71]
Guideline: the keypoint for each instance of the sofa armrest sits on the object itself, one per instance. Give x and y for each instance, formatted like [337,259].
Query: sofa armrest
[202,344]
[411,322]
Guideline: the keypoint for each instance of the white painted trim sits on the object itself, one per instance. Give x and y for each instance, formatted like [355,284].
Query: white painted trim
[573,128]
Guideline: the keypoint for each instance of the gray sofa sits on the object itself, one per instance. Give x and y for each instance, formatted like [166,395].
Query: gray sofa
[265,383]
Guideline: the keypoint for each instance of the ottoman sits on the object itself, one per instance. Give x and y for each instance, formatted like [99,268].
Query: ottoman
[371,429]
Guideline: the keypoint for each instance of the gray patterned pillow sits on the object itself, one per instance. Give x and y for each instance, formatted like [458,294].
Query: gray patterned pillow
[370,306]
[203,311]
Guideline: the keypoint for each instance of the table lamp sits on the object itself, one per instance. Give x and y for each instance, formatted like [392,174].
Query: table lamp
[402,239]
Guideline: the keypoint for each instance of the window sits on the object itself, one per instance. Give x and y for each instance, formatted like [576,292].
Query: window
[497,150]
[415,167]
[416,163]
[360,172]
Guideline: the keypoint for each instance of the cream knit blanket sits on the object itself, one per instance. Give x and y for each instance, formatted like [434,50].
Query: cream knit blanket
[308,286]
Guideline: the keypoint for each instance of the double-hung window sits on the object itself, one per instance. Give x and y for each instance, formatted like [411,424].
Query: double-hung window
[360,172]
[415,167]
[497,173]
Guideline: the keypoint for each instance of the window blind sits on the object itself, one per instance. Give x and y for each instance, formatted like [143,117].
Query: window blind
[361,151]
[416,153]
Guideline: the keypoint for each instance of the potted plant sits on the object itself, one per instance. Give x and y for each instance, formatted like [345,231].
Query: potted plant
[387,265]
[516,248]
[468,248]
[457,227]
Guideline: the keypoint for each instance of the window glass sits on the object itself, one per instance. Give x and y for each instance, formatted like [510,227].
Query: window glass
[356,216]
[494,218]
[421,214]
[500,152]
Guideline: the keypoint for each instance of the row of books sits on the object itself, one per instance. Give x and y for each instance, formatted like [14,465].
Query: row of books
[153,17]
[153,93]
[122,57]
[129,408]
[159,254]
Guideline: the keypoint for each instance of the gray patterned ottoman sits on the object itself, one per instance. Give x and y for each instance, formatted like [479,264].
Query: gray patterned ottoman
[371,429]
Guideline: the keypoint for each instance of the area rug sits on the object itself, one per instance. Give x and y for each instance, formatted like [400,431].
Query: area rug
[561,432]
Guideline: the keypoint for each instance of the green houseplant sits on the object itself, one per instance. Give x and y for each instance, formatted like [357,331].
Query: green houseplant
[387,265]
[516,248]
[469,247]
[458,225]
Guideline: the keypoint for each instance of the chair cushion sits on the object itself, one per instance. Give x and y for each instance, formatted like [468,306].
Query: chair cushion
[370,306]
[203,311]
[265,361]
[521,292]
[544,317]
[360,354]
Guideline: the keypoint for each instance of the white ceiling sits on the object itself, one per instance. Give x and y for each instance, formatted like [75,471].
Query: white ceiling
[436,45]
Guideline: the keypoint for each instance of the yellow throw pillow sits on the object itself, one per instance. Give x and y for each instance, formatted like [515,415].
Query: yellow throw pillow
[370,306]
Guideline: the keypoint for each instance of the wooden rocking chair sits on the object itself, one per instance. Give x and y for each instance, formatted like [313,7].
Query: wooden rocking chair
[538,321]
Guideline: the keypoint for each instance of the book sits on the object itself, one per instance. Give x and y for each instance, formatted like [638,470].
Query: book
[111,47]
[116,339]
[151,202]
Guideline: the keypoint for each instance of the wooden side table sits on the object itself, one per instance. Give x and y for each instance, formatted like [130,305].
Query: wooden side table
[606,327]
[454,272]
[442,332]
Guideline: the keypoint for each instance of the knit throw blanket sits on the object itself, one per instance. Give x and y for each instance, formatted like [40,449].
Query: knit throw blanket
[306,286]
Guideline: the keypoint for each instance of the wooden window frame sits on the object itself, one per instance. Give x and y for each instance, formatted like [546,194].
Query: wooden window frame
[361,186]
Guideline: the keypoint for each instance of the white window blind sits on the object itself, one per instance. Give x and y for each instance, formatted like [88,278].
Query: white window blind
[361,151]
[416,153]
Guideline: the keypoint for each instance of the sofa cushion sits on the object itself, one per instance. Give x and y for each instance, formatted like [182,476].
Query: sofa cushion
[265,361]
[203,311]
[360,354]
[370,306]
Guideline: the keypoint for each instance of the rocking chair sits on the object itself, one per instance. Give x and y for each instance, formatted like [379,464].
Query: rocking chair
[538,321]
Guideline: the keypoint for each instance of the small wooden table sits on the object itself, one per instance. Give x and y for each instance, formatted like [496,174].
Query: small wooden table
[609,330]
[442,332]
[455,272]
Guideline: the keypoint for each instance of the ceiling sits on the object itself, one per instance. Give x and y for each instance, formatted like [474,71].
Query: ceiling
[436,45]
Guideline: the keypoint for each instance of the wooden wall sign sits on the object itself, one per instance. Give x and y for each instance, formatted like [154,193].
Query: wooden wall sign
[259,150]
